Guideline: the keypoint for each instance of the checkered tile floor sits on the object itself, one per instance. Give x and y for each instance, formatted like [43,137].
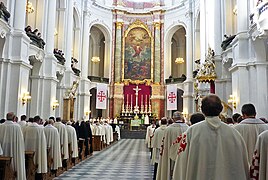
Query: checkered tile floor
[125,160]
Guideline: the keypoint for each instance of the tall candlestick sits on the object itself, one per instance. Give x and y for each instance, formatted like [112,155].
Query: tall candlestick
[141,99]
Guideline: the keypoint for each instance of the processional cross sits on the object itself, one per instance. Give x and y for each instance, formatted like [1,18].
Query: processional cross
[136,108]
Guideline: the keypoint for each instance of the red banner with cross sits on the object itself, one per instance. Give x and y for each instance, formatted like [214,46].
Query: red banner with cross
[101,96]
[171,97]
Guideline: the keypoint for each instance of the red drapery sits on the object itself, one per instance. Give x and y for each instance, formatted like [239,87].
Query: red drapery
[212,87]
[144,92]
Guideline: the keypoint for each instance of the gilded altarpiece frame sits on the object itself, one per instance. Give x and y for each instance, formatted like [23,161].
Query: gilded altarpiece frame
[137,54]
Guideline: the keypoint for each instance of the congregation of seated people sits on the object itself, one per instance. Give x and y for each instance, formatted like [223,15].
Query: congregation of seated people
[43,149]
[210,145]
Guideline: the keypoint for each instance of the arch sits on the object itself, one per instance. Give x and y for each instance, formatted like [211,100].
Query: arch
[168,63]
[107,46]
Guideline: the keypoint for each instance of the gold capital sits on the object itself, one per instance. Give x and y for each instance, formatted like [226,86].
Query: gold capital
[119,25]
[156,25]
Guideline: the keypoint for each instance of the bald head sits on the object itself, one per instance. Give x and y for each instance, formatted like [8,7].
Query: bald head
[10,116]
[177,116]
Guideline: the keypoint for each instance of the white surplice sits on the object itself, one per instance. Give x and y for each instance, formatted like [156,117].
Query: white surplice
[72,139]
[11,140]
[108,136]
[63,139]
[35,140]
[149,134]
[211,150]
[250,129]
[166,165]
[259,165]
[53,142]
[157,142]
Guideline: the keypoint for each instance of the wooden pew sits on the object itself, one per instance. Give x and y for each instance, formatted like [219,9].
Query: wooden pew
[97,143]
[81,149]
[29,165]
[6,171]
[115,136]
[70,162]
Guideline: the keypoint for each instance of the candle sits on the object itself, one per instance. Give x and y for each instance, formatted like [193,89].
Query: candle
[131,100]
[127,99]
[145,99]
[141,99]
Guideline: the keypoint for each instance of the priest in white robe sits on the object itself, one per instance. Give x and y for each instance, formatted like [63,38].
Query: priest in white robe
[211,149]
[53,142]
[149,133]
[173,152]
[117,129]
[259,165]
[72,139]
[12,143]
[157,142]
[63,137]
[23,123]
[166,165]
[250,128]
[35,140]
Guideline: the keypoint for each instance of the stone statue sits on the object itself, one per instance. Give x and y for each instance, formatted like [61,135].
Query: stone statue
[3,12]
[70,93]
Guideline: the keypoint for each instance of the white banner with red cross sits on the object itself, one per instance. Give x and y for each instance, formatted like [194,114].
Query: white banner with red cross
[171,97]
[101,96]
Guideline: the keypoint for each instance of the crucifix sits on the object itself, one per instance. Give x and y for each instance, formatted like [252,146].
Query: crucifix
[136,108]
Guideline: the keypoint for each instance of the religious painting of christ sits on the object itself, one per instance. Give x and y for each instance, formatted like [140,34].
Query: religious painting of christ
[137,54]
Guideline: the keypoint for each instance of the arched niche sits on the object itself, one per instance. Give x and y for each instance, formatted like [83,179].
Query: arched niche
[178,50]
[99,46]
[175,47]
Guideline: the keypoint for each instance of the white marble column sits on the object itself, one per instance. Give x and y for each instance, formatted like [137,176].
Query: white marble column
[15,66]
[69,36]
[188,102]
[84,94]
[19,15]
[85,46]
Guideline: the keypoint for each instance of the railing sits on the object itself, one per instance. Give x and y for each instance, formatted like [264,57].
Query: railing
[99,79]
[175,80]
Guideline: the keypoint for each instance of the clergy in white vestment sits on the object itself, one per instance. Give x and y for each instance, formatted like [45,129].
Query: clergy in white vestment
[149,133]
[35,140]
[53,142]
[146,119]
[211,149]
[63,137]
[23,123]
[157,142]
[72,139]
[12,143]
[259,165]
[173,152]
[166,165]
[250,128]
[117,129]
[107,133]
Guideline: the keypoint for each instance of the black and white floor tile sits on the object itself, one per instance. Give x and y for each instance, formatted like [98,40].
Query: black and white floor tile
[125,160]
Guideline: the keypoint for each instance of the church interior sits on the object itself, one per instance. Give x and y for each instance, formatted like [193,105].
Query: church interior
[101,74]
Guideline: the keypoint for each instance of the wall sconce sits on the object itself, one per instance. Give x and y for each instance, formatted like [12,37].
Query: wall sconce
[87,113]
[184,113]
[55,104]
[25,98]
[95,59]
[179,60]
[29,7]
[235,10]
[55,32]
[232,101]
